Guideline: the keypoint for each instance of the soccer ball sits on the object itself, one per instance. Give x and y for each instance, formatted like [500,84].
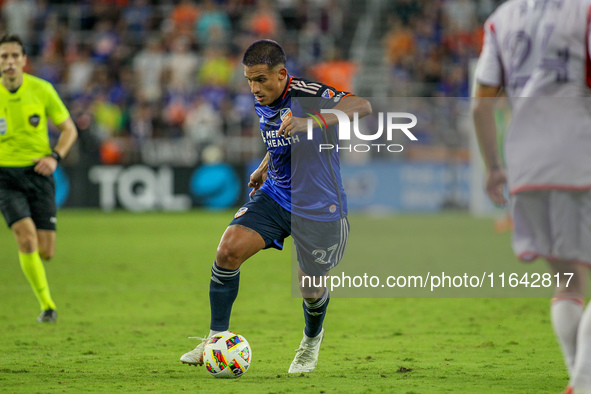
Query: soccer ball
[227,355]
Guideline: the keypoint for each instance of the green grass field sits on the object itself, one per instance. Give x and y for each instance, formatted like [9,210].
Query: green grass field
[131,288]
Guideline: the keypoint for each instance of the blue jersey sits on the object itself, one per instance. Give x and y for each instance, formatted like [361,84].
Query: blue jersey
[301,178]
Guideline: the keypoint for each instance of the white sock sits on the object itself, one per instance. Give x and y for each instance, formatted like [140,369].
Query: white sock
[581,376]
[566,315]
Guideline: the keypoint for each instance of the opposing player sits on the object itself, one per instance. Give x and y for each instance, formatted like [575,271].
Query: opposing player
[537,51]
[27,163]
[297,191]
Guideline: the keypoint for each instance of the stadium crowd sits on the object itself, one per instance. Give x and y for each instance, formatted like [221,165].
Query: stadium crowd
[132,71]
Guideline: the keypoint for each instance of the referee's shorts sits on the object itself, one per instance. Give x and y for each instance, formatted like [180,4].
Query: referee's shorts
[27,194]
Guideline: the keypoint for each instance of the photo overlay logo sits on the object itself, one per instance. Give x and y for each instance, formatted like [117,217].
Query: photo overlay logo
[388,124]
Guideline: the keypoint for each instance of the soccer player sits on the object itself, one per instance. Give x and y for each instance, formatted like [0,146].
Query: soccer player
[537,51]
[297,191]
[27,163]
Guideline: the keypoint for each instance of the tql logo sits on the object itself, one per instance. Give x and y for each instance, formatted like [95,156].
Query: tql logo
[390,118]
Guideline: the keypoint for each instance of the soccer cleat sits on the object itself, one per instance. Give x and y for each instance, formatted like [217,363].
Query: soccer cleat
[195,356]
[47,316]
[306,356]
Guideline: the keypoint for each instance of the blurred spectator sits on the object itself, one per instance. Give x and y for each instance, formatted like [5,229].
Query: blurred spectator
[263,21]
[137,16]
[149,65]
[104,41]
[430,72]
[108,116]
[460,15]
[174,115]
[293,13]
[405,10]
[212,19]
[183,17]
[294,63]
[335,71]
[142,122]
[182,66]
[313,44]
[54,37]
[51,67]
[454,82]
[203,124]
[399,43]
[217,69]
[79,72]
[18,15]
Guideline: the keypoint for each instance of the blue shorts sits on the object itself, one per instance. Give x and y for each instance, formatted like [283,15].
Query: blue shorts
[320,246]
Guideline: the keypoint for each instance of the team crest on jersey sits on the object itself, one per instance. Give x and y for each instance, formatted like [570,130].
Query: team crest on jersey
[328,94]
[240,212]
[34,120]
[285,114]
[3,126]
[332,208]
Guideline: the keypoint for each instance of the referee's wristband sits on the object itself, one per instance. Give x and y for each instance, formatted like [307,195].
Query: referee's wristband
[56,156]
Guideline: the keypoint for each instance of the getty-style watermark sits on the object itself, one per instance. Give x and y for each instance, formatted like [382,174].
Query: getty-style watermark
[388,122]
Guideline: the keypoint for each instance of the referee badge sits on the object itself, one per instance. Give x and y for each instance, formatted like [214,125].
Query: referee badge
[3,126]
[34,120]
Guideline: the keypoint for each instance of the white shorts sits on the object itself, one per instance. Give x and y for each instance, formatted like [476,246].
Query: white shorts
[552,224]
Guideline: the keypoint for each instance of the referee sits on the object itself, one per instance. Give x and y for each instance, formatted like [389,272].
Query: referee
[27,163]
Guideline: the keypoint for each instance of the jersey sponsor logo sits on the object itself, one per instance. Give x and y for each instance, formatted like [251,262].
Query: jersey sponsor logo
[240,212]
[34,120]
[285,114]
[328,94]
[3,126]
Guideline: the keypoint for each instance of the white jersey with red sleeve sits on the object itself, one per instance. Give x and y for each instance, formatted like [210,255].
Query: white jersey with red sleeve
[538,51]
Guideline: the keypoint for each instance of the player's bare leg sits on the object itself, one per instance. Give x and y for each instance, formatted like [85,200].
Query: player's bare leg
[316,300]
[26,236]
[238,243]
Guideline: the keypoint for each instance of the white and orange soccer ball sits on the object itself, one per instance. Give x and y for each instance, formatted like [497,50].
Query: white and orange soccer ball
[227,355]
